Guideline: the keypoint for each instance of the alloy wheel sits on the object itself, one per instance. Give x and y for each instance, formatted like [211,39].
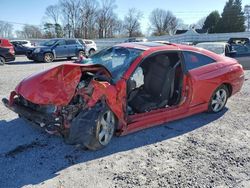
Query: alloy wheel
[107,126]
[219,100]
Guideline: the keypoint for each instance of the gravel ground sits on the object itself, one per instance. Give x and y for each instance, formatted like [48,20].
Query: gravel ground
[205,150]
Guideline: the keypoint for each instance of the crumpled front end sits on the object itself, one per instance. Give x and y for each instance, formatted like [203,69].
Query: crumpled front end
[53,98]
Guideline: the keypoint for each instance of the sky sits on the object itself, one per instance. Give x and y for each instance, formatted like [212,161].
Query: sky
[190,11]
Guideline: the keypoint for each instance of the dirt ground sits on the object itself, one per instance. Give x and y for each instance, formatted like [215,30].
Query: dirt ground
[205,150]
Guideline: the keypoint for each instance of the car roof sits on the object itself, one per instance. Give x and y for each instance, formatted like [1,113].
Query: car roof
[154,46]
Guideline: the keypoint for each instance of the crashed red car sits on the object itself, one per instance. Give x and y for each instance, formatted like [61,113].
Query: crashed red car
[126,88]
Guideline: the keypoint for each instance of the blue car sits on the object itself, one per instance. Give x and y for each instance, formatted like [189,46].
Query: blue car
[56,49]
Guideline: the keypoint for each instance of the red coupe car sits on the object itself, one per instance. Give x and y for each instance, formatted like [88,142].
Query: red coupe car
[126,88]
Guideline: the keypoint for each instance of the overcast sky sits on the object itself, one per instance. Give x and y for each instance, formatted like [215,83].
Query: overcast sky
[190,11]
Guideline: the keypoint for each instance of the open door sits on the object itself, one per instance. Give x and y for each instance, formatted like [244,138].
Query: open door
[157,91]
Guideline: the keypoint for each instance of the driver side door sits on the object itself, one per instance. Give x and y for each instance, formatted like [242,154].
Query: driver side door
[138,121]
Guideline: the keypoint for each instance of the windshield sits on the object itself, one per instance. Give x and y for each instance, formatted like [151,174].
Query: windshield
[216,48]
[49,43]
[116,59]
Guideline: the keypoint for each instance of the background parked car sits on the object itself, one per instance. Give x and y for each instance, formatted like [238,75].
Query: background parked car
[136,40]
[221,48]
[25,43]
[242,48]
[6,55]
[5,43]
[90,46]
[56,48]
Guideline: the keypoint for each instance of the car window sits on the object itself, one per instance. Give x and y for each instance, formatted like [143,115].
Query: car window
[88,42]
[194,60]
[82,43]
[70,42]
[241,49]
[61,42]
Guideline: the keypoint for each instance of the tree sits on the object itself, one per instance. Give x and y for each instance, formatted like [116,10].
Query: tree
[71,15]
[132,22]
[6,29]
[211,21]
[31,31]
[53,13]
[88,14]
[232,18]
[163,22]
[105,17]
[247,15]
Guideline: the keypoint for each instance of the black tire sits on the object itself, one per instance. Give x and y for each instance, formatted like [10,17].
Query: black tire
[80,54]
[221,101]
[91,51]
[2,61]
[48,57]
[86,128]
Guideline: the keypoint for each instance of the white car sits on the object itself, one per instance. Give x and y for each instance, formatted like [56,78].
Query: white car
[24,43]
[221,48]
[90,46]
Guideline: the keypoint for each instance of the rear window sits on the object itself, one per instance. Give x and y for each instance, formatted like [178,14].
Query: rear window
[195,60]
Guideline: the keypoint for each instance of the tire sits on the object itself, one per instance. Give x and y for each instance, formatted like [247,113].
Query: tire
[91,51]
[89,128]
[2,61]
[80,54]
[218,100]
[48,57]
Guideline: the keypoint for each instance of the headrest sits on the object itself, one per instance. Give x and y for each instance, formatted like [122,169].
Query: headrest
[163,60]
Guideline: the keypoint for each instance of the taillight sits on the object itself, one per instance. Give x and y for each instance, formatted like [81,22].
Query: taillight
[12,51]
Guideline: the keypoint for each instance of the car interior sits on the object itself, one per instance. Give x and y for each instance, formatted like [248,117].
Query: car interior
[156,83]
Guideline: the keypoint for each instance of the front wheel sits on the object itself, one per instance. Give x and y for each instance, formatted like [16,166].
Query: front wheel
[93,128]
[218,99]
[48,57]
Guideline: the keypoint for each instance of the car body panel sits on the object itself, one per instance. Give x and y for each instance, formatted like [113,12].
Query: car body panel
[5,53]
[57,84]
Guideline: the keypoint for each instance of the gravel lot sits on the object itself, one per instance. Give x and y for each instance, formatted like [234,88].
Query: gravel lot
[205,150]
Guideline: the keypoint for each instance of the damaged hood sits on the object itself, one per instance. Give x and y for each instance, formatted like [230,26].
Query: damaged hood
[57,85]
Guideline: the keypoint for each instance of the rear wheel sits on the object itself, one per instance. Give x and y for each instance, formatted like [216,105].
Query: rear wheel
[218,99]
[93,128]
[48,57]
[2,61]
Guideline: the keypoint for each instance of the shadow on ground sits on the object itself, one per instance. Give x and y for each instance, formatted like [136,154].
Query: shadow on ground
[29,156]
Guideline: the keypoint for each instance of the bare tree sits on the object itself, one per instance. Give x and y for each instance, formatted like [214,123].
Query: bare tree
[163,22]
[71,14]
[53,13]
[132,22]
[6,29]
[31,31]
[200,23]
[88,14]
[157,19]
[105,17]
